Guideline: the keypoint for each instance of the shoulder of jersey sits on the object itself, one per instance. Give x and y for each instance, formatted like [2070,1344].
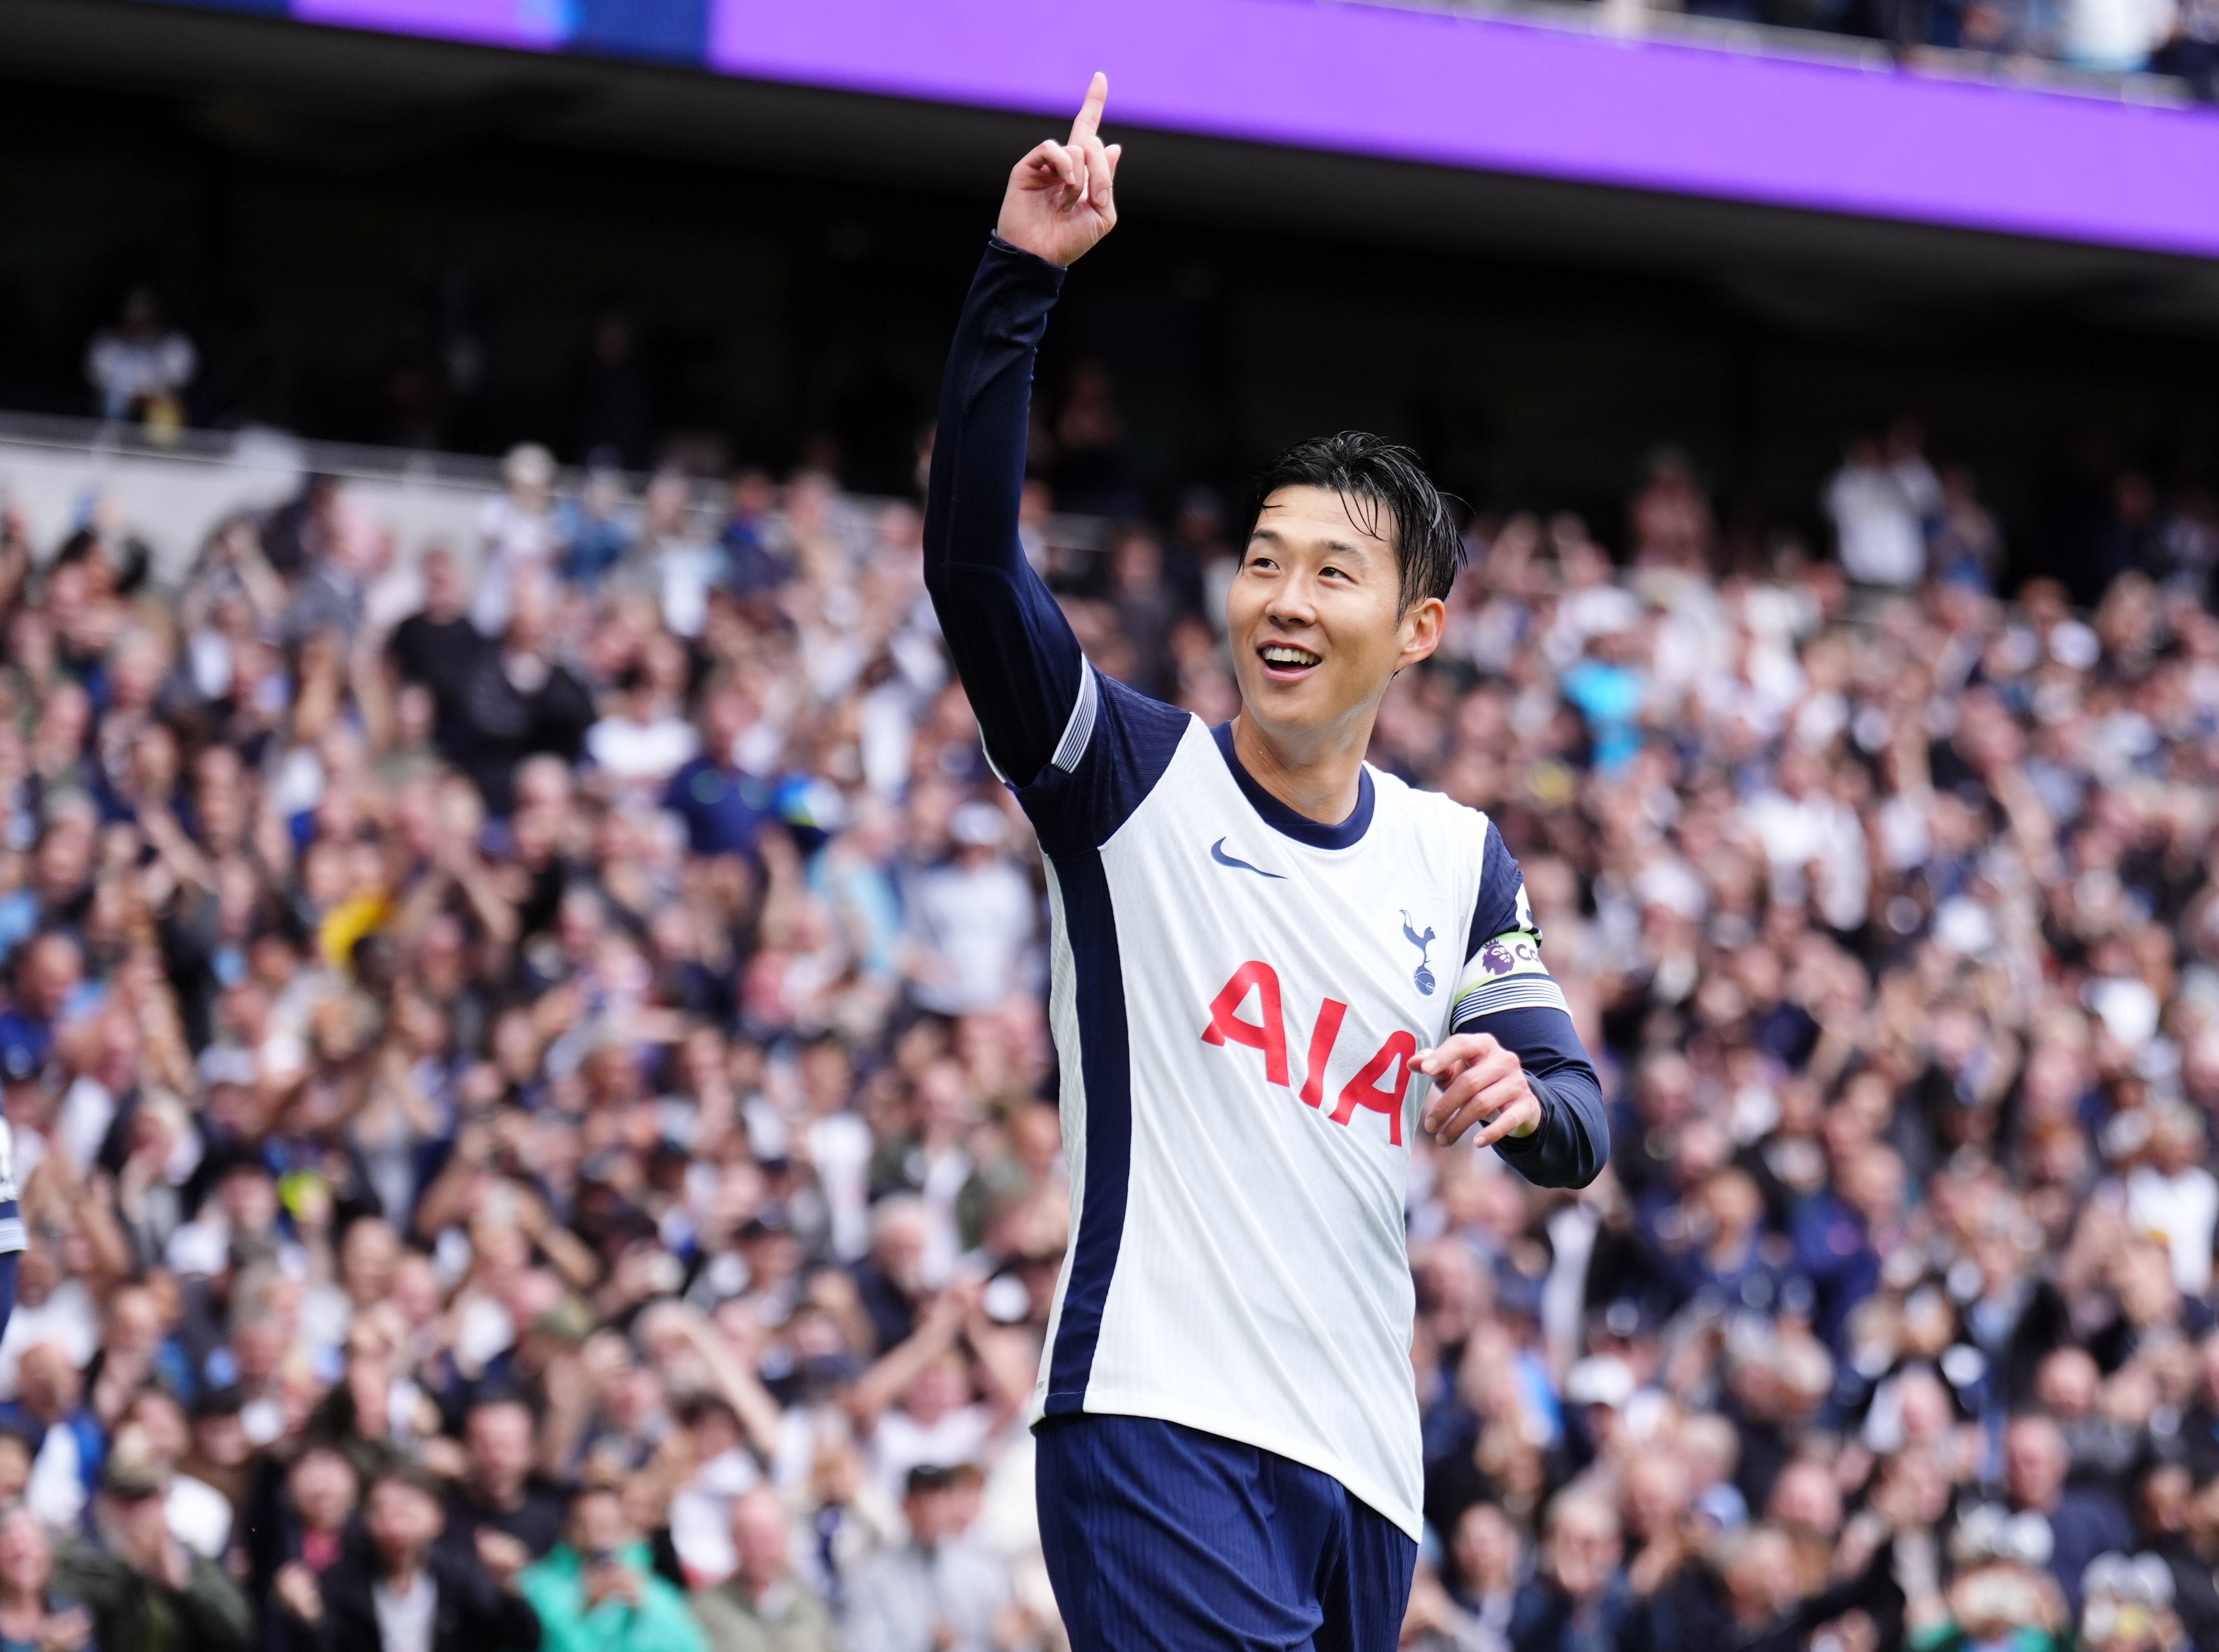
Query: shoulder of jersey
[1441,808]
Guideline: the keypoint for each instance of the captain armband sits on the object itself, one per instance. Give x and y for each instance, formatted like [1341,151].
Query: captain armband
[1505,973]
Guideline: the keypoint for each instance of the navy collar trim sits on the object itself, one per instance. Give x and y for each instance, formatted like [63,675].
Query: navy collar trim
[1291,823]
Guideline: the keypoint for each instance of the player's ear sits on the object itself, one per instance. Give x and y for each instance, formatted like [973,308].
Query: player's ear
[1423,623]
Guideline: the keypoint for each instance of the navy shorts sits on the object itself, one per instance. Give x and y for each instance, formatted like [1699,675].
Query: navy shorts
[1162,1536]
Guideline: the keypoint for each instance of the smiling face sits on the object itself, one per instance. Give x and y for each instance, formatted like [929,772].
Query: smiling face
[1316,618]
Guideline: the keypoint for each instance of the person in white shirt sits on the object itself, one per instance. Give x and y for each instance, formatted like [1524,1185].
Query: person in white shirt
[939,1592]
[517,535]
[973,919]
[643,739]
[140,368]
[1880,501]
[2172,1194]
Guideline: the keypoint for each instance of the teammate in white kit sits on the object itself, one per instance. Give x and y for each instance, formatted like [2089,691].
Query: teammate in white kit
[1266,956]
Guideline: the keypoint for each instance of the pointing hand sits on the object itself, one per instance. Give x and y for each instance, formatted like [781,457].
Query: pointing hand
[1059,202]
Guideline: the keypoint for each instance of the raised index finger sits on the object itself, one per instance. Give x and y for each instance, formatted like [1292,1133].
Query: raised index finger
[1089,113]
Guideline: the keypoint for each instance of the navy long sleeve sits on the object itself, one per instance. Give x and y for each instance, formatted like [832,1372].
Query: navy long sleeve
[1568,1149]
[1012,647]
[1508,993]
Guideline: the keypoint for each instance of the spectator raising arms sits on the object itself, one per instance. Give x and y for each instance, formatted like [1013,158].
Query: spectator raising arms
[447,1068]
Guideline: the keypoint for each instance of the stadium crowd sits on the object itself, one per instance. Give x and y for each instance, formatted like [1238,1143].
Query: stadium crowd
[535,1123]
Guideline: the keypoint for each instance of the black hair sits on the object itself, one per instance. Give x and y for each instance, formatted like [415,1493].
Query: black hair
[413,1475]
[494,1395]
[1374,476]
[927,1477]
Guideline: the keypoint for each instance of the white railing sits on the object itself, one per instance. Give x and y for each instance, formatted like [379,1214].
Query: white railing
[54,473]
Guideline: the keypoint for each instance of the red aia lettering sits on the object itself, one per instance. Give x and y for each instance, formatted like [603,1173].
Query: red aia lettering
[1322,1038]
[1269,1036]
[1269,1033]
[1365,1089]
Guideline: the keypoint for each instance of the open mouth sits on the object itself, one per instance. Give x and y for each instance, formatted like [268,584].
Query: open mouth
[1286,662]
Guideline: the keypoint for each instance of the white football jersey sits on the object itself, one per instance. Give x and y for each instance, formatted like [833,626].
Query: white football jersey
[1237,994]
[12,1236]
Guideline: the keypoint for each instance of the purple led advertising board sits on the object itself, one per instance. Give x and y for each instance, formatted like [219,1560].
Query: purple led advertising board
[1455,90]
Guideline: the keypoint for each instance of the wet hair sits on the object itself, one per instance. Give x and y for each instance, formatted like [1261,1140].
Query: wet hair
[1377,478]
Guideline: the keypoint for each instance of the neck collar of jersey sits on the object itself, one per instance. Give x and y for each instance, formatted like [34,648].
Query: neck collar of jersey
[1292,823]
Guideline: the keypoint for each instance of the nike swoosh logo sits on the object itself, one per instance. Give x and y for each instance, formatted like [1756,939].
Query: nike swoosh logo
[1217,853]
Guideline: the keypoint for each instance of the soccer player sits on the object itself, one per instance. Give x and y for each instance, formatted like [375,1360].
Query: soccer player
[1261,946]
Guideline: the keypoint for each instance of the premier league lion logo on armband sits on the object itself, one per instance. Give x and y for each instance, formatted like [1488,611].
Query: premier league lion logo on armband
[1508,955]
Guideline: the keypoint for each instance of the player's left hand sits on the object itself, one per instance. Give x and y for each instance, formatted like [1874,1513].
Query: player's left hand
[1062,197]
[1476,1082]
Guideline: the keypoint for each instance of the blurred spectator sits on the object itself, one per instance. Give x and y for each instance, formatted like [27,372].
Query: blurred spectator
[1880,500]
[33,1618]
[764,1606]
[516,532]
[1578,1598]
[596,1590]
[938,1591]
[145,1591]
[603,1055]
[2083,1523]
[398,1592]
[297,1529]
[140,368]
[500,1490]
[518,700]
[972,920]
[438,648]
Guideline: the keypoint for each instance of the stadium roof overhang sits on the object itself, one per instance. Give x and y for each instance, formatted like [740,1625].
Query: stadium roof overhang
[1807,185]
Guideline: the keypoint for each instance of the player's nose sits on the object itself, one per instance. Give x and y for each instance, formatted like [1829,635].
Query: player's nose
[1292,605]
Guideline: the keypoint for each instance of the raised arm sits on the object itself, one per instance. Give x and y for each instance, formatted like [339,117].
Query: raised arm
[1018,660]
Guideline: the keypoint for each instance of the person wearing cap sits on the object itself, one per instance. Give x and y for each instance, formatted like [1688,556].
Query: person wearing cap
[145,1591]
[937,1592]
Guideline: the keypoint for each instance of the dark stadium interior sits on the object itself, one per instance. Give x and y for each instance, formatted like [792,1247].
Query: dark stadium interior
[332,257]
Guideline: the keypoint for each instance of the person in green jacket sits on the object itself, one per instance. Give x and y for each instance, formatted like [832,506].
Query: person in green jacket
[147,1591]
[597,1590]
